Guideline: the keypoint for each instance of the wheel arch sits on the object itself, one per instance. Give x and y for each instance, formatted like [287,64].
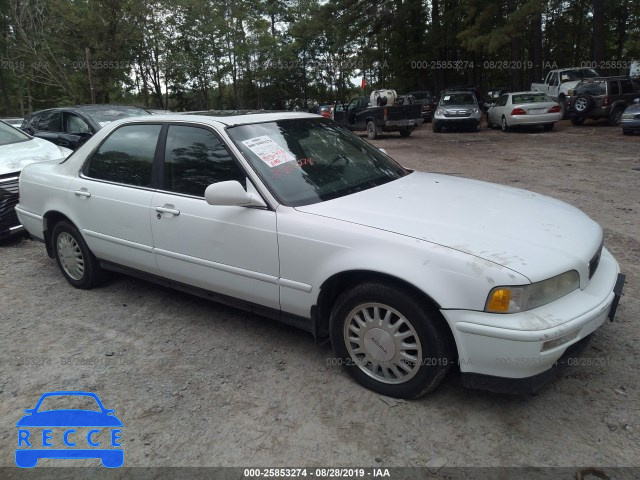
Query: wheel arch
[50,219]
[333,286]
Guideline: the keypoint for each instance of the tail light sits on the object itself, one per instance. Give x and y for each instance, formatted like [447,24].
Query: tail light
[385,114]
[605,101]
[518,111]
[555,109]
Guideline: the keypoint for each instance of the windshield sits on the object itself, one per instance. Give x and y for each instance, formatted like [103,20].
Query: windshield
[458,99]
[106,115]
[421,95]
[572,75]
[10,135]
[530,98]
[305,161]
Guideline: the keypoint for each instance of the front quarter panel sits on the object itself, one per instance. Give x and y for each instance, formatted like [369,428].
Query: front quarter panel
[314,248]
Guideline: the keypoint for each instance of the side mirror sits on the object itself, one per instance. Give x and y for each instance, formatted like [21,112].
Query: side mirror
[231,193]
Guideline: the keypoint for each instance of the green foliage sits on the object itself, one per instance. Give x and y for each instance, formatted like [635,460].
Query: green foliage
[277,54]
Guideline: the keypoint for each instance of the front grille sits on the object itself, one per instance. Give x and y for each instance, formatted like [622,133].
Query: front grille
[593,263]
[457,113]
[8,201]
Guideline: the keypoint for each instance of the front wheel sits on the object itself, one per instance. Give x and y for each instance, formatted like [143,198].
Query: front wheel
[372,130]
[616,117]
[405,132]
[626,131]
[77,263]
[390,341]
[437,128]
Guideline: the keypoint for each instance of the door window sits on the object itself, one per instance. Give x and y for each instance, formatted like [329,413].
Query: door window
[50,122]
[195,158]
[126,156]
[76,125]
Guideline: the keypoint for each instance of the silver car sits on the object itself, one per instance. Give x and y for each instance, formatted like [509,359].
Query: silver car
[630,121]
[524,108]
[457,110]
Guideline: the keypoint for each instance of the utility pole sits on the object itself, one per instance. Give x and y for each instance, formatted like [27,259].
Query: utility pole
[93,92]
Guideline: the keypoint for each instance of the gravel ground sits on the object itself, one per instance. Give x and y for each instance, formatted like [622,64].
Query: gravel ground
[200,384]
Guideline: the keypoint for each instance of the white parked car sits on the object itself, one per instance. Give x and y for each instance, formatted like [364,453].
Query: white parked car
[524,108]
[18,149]
[288,214]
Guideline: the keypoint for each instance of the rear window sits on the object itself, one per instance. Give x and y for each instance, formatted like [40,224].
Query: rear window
[105,115]
[531,98]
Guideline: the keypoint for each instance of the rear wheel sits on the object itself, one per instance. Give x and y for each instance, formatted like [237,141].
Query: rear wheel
[390,341]
[615,117]
[405,132]
[563,107]
[437,128]
[372,130]
[505,127]
[79,266]
[548,127]
[577,120]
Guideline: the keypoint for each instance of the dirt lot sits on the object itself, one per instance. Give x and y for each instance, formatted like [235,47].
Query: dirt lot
[199,384]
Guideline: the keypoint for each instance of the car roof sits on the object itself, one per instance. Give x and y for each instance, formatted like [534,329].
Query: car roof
[87,107]
[227,118]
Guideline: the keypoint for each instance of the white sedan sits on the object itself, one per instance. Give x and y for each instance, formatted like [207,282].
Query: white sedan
[408,273]
[18,149]
[524,108]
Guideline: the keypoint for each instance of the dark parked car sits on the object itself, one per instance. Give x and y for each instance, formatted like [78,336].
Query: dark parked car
[424,98]
[492,97]
[70,127]
[631,118]
[602,97]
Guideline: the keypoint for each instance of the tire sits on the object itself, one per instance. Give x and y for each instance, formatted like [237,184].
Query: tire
[503,125]
[548,127]
[477,127]
[562,101]
[615,117]
[405,132]
[626,131]
[436,127]
[372,130]
[583,104]
[365,326]
[578,120]
[77,263]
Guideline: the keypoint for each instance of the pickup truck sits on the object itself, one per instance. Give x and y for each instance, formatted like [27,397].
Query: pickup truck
[558,82]
[359,115]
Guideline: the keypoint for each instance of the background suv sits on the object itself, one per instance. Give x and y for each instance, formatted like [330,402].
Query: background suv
[603,97]
[70,127]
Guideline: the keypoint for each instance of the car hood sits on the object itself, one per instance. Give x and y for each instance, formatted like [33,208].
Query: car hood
[69,418]
[635,108]
[15,156]
[529,233]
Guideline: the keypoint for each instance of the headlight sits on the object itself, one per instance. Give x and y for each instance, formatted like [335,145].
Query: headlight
[441,111]
[475,110]
[627,116]
[513,299]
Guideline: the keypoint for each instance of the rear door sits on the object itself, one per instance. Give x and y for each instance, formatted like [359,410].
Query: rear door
[110,200]
[230,250]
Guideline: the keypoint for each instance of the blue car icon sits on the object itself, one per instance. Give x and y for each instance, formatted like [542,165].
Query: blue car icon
[32,447]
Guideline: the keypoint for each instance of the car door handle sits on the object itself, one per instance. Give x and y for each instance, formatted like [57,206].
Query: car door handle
[172,211]
[82,193]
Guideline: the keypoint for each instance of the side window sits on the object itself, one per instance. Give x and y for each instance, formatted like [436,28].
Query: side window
[126,156]
[194,159]
[615,88]
[627,87]
[554,80]
[50,122]
[76,125]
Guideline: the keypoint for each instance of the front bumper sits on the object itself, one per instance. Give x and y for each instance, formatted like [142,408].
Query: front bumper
[527,344]
[9,223]
[395,124]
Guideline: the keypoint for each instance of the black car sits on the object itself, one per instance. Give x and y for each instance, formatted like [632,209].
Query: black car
[70,127]
[424,98]
[602,97]
[492,97]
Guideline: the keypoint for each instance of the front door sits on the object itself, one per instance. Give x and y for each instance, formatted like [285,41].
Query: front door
[230,250]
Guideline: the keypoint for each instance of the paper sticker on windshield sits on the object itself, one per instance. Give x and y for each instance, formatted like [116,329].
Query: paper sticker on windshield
[268,151]
[447,97]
